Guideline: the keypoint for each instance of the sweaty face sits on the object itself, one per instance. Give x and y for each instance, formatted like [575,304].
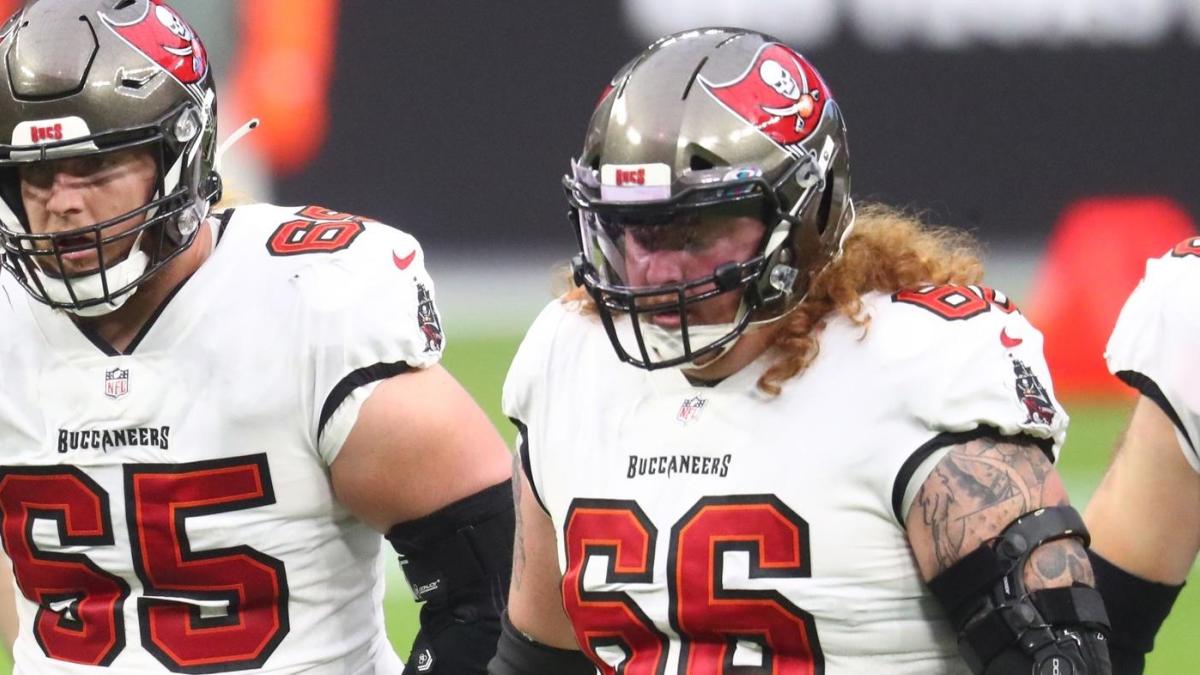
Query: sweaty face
[72,194]
[657,255]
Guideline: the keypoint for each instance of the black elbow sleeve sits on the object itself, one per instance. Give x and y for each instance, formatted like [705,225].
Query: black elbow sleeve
[1136,607]
[458,561]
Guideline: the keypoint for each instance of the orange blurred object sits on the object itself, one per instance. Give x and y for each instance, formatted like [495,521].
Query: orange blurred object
[1096,256]
[285,60]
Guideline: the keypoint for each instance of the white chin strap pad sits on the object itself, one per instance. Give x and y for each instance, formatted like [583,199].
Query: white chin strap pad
[665,344]
[91,287]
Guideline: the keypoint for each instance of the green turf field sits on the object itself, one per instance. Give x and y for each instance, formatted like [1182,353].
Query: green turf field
[480,364]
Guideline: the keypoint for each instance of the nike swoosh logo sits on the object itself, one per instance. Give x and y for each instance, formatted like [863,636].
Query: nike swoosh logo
[404,262]
[1008,342]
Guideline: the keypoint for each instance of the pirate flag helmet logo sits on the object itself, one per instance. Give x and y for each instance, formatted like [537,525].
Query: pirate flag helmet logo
[1038,406]
[780,93]
[427,319]
[165,38]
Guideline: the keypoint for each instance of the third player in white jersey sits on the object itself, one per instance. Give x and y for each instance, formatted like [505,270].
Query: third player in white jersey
[1154,347]
[1145,516]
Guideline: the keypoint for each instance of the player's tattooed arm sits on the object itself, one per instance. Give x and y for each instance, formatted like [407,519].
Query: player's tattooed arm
[974,493]
[518,570]
[535,603]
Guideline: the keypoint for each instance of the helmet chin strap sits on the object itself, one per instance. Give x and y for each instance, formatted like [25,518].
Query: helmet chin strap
[91,287]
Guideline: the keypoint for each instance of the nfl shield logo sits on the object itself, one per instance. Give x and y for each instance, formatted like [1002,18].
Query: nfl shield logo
[690,410]
[116,382]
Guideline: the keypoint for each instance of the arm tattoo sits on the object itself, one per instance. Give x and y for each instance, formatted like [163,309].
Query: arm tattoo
[518,570]
[975,492]
[1059,563]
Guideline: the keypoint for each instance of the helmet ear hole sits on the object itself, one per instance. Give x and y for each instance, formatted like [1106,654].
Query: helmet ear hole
[699,163]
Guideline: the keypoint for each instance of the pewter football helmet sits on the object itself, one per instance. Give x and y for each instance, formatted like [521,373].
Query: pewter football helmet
[713,121]
[84,77]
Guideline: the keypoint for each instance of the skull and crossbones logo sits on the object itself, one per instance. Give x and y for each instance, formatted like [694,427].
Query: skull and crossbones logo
[779,94]
[173,23]
[780,79]
[163,36]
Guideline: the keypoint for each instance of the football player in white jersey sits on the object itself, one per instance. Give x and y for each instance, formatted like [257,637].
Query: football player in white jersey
[209,418]
[820,445]
[1141,556]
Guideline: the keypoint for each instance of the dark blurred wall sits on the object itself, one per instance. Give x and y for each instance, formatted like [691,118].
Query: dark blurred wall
[455,120]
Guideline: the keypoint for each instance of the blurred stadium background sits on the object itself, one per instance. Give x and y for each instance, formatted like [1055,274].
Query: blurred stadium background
[1062,134]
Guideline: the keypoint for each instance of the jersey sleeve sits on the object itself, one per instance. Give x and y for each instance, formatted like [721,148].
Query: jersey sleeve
[970,376]
[1153,347]
[371,315]
[525,390]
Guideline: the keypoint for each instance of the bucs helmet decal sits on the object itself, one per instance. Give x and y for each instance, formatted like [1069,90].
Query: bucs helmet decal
[11,24]
[165,38]
[780,94]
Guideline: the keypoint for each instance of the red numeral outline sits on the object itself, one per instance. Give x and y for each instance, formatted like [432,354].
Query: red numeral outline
[997,299]
[620,531]
[253,585]
[318,231]
[709,618]
[1190,246]
[956,303]
[953,303]
[80,617]
[322,213]
[90,627]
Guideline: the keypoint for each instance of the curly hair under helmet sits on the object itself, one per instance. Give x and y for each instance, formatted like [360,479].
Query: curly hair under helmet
[887,251]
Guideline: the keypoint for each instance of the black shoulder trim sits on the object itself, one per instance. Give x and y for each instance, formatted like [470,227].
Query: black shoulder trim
[141,334]
[103,345]
[942,440]
[525,464]
[356,379]
[1150,389]
[90,333]
[224,219]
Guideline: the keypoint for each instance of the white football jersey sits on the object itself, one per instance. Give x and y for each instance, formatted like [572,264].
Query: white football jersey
[701,526]
[169,509]
[1155,346]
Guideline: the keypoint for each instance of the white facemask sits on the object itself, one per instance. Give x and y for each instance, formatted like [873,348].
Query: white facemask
[91,287]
